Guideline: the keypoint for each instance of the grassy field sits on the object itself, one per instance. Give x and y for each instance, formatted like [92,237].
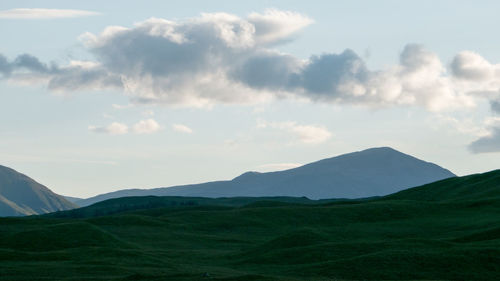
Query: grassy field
[449,230]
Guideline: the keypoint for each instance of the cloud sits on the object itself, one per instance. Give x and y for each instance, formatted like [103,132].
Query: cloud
[182,128]
[274,26]
[471,66]
[44,13]
[222,58]
[466,126]
[114,128]
[120,106]
[77,75]
[278,166]
[308,134]
[148,126]
[491,141]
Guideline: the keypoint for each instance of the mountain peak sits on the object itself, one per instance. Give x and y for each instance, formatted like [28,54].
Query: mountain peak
[246,175]
[381,149]
[21,195]
[372,172]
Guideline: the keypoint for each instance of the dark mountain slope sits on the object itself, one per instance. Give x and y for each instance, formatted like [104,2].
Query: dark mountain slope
[371,172]
[21,195]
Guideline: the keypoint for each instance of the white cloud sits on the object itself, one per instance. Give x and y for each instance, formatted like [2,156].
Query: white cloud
[222,58]
[308,134]
[182,128]
[114,128]
[311,134]
[466,126]
[31,13]
[278,166]
[471,66]
[148,126]
[274,25]
[121,106]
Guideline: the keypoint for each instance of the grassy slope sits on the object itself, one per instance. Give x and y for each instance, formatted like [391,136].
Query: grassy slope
[474,187]
[400,237]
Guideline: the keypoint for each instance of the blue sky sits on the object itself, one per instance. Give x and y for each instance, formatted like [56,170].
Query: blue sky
[206,90]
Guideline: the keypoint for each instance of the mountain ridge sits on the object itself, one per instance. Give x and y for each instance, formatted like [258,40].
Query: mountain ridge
[367,173]
[21,195]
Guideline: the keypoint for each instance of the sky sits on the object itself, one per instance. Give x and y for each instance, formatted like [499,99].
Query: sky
[97,96]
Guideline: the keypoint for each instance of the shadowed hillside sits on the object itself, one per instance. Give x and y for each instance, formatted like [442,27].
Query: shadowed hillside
[474,187]
[404,236]
[21,195]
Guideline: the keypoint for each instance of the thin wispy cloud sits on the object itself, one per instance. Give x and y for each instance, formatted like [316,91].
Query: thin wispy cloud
[122,106]
[36,13]
[182,128]
[148,126]
[308,134]
[278,166]
[114,128]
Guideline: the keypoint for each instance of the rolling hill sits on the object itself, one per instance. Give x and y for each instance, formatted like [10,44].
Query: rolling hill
[371,172]
[473,187]
[417,234]
[21,195]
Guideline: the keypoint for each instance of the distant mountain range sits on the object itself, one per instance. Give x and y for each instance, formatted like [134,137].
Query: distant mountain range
[368,173]
[21,195]
[484,188]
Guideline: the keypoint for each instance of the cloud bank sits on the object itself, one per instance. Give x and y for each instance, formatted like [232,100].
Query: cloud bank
[32,13]
[222,58]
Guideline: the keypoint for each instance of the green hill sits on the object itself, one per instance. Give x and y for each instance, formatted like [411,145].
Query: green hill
[410,235]
[474,187]
[129,204]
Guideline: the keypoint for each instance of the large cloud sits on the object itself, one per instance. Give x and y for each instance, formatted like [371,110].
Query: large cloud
[222,58]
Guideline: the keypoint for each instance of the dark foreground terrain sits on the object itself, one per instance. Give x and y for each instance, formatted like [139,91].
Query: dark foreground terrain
[448,230]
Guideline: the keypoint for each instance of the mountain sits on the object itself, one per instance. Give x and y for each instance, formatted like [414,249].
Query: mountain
[21,195]
[367,173]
